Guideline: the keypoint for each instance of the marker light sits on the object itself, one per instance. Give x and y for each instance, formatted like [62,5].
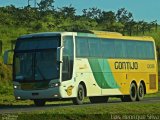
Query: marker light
[16,86]
[54,85]
[55,95]
[18,98]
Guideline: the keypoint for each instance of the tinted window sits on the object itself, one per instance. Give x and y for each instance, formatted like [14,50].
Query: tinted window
[82,49]
[38,43]
[120,49]
[112,48]
[94,47]
[108,48]
[130,49]
[150,50]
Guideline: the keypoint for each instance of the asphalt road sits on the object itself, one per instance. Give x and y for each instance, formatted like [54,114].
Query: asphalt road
[30,108]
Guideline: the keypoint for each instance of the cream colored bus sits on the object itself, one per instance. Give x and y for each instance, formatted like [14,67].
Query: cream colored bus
[70,65]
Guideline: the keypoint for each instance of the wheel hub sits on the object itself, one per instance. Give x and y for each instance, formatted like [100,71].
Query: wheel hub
[80,95]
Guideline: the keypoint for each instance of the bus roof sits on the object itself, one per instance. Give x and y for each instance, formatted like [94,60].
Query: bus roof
[99,34]
[46,34]
[116,35]
[43,34]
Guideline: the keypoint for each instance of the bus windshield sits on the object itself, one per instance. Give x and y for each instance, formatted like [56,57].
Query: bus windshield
[39,65]
[32,64]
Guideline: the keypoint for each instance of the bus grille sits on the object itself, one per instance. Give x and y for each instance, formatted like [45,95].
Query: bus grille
[34,86]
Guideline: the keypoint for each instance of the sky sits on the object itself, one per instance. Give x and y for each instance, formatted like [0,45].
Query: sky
[147,10]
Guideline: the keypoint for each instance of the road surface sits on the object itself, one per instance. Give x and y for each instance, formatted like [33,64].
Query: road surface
[31,108]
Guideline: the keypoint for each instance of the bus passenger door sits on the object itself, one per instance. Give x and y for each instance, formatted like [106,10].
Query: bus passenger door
[67,82]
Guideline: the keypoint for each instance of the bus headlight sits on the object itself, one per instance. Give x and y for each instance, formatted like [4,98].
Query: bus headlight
[17,87]
[54,85]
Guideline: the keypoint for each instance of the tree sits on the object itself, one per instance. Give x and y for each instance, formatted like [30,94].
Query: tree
[124,16]
[130,27]
[83,24]
[8,14]
[45,5]
[154,25]
[93,13]
[107,19]
[68,11]
[142,26]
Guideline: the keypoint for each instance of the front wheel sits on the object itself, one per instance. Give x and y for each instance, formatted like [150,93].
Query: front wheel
[39,102]
[140,92]
[80,96]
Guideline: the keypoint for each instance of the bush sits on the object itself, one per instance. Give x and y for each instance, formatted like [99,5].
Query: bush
[5,79]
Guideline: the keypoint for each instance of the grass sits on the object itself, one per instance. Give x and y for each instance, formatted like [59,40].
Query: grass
[94,112]
[125,108]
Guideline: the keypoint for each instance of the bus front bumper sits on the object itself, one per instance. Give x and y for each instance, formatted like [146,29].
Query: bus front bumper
[50,93]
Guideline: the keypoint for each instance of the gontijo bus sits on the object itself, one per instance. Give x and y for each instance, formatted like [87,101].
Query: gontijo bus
[71,65]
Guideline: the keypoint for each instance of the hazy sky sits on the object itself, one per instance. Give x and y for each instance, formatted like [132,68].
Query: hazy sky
[147,10]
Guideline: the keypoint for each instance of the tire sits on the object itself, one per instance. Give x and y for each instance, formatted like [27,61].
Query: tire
[101,99]
[133,92]
[132,96]
[80,96]
[39,102]
[140,92]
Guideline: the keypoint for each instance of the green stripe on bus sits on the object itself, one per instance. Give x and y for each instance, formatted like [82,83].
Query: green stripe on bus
[102,73]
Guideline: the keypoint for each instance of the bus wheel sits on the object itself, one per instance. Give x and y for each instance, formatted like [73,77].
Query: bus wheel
[101,99]
[140,92]
[39,102]
[80,96]
[133,92]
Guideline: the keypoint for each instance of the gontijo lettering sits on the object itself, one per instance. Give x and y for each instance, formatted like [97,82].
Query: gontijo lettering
[126,65]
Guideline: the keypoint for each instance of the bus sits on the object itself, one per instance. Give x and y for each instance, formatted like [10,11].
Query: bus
[71,66]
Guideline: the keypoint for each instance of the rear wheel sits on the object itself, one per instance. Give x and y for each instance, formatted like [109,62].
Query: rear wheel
[39,102]
[140,92]
[80,96]
[133,92]
[132,96]
[101,99]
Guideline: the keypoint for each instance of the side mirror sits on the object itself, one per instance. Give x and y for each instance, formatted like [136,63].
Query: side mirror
[8,57]
[59,54]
